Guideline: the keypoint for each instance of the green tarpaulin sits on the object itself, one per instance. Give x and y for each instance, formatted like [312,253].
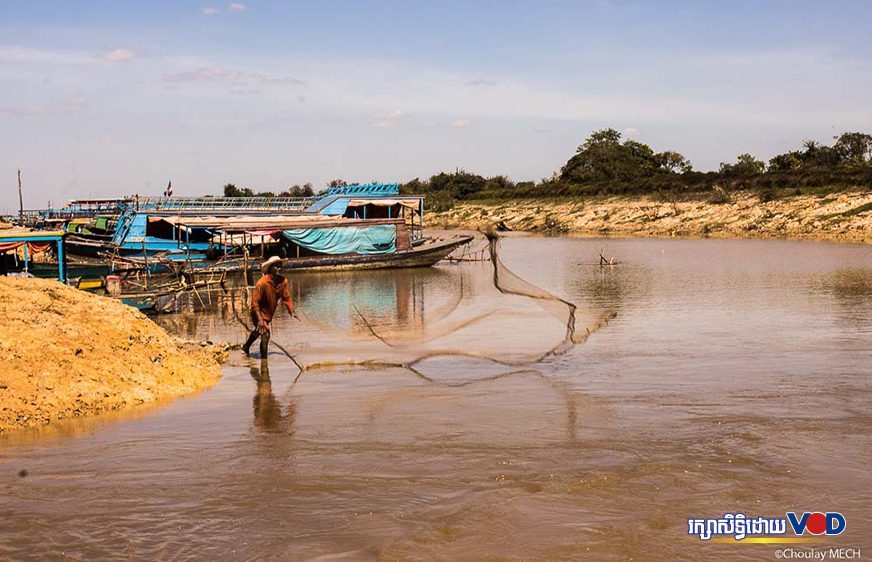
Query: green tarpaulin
[376,239]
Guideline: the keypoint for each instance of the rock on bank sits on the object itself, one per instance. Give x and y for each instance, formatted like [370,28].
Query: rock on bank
[66,353]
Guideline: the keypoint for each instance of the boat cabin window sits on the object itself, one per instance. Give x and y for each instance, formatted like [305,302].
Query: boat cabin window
[166,230]
[375,212]
[160,229]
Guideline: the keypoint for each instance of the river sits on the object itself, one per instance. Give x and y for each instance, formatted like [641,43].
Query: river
[732,376]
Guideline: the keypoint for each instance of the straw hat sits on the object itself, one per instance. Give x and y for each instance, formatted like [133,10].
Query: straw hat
[264,267]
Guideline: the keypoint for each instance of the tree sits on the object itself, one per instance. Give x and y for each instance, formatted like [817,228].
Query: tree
[810,145]
[603,157]
[498,183]
[788,162]
[605,136]
[673,162]
[746,165]
[414,187]
[231,190]
[461,184]
[817,155]
[854,148]
[298,191]
[598,159]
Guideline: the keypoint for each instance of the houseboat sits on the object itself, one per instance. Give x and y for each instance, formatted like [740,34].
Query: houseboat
[356,226]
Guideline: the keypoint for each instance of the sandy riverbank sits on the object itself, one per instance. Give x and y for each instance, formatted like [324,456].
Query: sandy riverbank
[839,217]
[66,353]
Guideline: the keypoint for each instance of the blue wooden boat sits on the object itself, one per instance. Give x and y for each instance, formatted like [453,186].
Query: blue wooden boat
[167,226]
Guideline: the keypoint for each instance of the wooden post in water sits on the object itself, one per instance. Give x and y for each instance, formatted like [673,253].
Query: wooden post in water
[145,258]
[245,268]
[20,201]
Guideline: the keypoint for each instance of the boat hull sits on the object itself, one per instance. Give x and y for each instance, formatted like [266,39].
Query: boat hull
[424,255]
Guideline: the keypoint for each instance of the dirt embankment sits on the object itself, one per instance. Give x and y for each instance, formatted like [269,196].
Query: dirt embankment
[67,353]
[844,217]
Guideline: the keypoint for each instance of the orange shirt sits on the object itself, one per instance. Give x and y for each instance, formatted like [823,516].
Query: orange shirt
[269,290]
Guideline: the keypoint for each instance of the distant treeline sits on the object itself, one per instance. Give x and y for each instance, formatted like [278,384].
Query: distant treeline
[607,165]
[305,190]
[604,165]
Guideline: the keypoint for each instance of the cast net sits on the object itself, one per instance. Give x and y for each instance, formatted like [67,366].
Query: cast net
[463,314]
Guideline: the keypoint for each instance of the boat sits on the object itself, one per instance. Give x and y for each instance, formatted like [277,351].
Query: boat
[313,242]
[368,226]
[149,226]
[143,303]
[425,254]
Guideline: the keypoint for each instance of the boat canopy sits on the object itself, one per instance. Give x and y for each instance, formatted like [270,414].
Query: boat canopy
[364,240]
[413,203]
[36,240]
[260,224]
[318,233]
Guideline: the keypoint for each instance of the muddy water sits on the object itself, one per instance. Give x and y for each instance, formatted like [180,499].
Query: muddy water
[734,378]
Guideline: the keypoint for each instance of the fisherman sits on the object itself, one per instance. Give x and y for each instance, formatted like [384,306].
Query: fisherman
[271,288]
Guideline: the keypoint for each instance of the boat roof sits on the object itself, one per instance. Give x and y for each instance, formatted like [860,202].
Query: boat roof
[412,202]
[264,224]
[28,235]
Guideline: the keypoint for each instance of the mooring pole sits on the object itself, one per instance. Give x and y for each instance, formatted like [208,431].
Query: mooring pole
[20,201]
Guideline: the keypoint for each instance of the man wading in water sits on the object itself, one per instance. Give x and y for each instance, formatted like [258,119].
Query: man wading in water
[269,290]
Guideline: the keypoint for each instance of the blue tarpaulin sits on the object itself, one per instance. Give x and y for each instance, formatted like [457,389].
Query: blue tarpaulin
[376,239]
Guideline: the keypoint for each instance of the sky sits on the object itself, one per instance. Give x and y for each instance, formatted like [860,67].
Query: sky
[105,98]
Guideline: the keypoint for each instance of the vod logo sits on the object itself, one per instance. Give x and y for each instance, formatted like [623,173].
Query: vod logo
[817,523]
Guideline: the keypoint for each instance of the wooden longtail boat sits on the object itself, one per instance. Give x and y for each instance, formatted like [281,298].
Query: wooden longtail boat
[422,255]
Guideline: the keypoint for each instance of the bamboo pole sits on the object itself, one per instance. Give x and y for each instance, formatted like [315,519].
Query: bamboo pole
[20,201]
[145,257]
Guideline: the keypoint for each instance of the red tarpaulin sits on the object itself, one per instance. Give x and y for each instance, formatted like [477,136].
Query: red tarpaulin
[32,247]
[38,247]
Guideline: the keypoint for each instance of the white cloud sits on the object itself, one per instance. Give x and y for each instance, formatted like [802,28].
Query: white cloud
[205,73]
[460,123]
[209,11]
[631,132]
[389,119]
[479,82]
[77,101]
[278,80]
[236,7]
[117,55]
[61,108]
[13,53]
[29,111]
